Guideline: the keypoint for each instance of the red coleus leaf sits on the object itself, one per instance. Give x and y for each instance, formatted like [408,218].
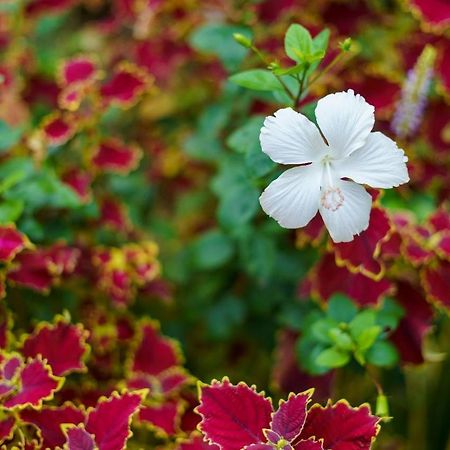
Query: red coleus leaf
[262,446]
[441,244]
[436,282]
[114,215]
[440,220]
[360,255]
[49,420]
[78,69]
[79,439]
[71,96]
[414,247]
[79,181]
[435,124]
[233,416]
[62,344]
[172,380]
[127,83]
[32,272]
[378,91]
[443,70]
[36,383]
[163,418]
[364,290]
[110,421]
[40,268]
[196,442]
[391,249]
[342,427]
[435,13]
[62,259]
[112,155]
[11,242]
[163,385]
[309,444]
[7,428]
[154,352]
[414,325]
[290,417]
[47,6]
[58,129]
[10,367]
[311,234]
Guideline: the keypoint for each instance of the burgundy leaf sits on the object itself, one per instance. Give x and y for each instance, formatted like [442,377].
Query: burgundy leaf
[37,383]
[233,416]
[290,417]
[110,421]
[79,439]
[62,345]
[341,427]
[49,420]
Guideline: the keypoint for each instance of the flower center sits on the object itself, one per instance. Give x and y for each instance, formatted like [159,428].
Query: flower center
[332,198]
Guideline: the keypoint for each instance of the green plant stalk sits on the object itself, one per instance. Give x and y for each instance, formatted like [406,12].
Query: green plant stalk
[330,66]
[264,60]
[301,86]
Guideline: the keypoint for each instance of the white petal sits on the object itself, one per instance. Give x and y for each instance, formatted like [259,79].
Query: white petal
[291,138]
[346,120]
[352,216]
[293,198]
[380,163]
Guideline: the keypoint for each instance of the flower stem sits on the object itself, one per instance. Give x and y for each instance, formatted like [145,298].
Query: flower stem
[301,86]
[267,63]
[330,66]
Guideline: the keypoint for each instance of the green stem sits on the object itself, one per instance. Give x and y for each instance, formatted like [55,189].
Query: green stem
[301,86]
[266,63]
[330,66]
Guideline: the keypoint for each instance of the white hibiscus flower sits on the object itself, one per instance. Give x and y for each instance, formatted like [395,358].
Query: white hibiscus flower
[334,162]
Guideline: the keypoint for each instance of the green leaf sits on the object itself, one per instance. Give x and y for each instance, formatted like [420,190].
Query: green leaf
[259,254]
[361,322]
[246,137]
[14,171]
[257,79]
[44,189]
[224,316]
[332,357]
[238,205]
[11,210]
[307,351]
[212,250]
[289,70]
[341,308]
[218,39]
[9,136]
[367,337]
[383,354]
[341,339]
[390,314]
[204,143]
[363,330]
[320,41]
[298,43]
[320,330]
[246,140]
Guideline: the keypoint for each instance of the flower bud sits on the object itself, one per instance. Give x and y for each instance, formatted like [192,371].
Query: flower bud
[243,40]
